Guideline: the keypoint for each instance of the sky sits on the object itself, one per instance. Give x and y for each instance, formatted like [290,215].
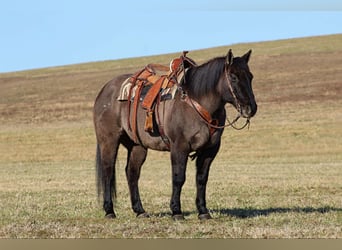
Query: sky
[45,33]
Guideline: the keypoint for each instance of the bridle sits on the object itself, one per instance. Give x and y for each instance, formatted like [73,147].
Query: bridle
[238,106]
[212,124]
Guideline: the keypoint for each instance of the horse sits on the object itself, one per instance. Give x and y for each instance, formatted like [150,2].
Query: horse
[209,87]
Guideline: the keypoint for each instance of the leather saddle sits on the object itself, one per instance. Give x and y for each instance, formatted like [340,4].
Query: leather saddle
[148,83]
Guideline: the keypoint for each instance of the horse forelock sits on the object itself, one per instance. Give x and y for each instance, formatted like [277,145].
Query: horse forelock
[239,64]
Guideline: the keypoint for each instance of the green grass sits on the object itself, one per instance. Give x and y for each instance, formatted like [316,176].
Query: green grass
[279,179]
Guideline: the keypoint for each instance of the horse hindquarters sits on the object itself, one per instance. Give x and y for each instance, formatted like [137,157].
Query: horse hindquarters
[107,125]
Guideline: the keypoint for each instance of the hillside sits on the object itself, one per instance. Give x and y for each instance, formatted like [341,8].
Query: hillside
[279,179]
[286,70]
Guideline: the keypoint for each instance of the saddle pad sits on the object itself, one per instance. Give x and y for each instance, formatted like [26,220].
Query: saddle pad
[124,90]
[166,94]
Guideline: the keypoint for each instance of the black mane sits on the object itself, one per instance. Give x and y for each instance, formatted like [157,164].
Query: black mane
[203,79]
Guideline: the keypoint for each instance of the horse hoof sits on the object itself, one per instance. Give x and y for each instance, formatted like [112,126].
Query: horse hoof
[110,216]
[143,215]
[204,216]
[178,217]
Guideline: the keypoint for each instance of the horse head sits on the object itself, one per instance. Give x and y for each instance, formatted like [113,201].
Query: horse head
[238,84]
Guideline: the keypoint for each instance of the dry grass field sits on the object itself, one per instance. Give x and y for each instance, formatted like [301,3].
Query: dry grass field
[282,178]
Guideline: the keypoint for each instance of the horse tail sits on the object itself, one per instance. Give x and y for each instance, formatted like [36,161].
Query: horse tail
[100,176]
[99,172]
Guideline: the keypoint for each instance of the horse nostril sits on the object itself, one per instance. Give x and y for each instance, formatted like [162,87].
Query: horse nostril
[249,110]
[246,111]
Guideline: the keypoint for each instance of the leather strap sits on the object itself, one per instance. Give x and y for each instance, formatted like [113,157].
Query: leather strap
[135,110]
[152,94]
[202,112]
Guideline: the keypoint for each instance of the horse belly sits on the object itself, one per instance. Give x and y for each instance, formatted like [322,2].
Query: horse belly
[149,140]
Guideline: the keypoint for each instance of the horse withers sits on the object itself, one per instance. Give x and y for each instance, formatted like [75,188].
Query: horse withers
[192,122]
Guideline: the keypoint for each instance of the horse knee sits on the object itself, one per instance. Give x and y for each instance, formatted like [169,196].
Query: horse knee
[178,179]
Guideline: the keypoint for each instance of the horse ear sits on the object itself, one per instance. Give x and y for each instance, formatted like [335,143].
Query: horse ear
[247,56]
[230,57]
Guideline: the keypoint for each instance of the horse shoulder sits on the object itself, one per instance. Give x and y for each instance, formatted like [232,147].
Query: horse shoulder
[184,123]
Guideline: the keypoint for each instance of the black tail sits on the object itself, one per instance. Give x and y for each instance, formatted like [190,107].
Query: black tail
[99,173]
[100,176]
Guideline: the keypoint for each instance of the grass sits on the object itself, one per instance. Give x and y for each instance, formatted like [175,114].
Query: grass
[279,179]
[254,201]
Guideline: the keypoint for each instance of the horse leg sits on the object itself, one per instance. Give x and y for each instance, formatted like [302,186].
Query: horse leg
[203,162]
[105,165]
[178,160]
[135,159]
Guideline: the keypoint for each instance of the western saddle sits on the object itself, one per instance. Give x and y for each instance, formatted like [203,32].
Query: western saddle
[155,78]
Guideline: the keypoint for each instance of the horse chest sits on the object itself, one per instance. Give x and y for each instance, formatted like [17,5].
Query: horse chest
[203,139]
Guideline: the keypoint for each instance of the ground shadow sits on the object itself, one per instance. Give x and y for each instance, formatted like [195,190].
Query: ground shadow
[250,212]
[254,212]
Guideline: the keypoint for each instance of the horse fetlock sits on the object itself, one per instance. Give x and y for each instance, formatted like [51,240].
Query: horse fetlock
[178,217]
[110,216]
[206,216]
[143,215]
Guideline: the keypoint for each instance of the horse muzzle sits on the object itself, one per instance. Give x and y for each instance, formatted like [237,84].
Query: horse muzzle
[249,111]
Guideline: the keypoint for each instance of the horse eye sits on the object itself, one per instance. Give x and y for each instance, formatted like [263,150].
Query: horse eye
[234,78]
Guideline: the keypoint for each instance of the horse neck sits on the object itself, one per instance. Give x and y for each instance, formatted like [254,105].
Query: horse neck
[202,84]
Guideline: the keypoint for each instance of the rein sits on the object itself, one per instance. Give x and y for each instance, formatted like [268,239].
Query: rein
[210,122]
[247,123]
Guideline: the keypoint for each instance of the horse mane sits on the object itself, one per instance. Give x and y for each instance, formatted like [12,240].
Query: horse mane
[200,80]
